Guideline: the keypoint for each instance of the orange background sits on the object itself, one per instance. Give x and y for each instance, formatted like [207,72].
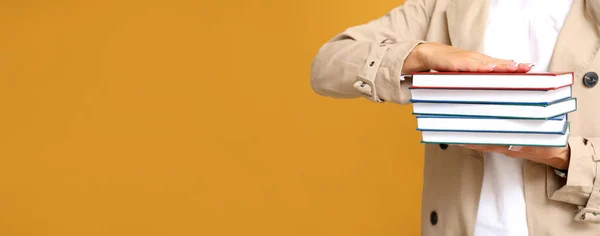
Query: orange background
[193,118]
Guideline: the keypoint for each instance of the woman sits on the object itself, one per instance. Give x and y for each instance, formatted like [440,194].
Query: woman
[486,190]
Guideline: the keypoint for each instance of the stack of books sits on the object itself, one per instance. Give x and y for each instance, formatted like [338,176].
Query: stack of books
[521,109]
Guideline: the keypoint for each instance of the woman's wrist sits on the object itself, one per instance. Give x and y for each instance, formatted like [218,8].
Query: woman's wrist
[416,60]
[563,159]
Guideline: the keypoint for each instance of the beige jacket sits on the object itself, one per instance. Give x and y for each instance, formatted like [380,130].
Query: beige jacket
[373,53]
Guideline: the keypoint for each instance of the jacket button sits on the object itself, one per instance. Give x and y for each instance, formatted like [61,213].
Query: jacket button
[590,79]
[444,146]
[433,217]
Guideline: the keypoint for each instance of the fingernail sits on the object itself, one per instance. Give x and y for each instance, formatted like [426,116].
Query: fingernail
[515,148]
[528,65]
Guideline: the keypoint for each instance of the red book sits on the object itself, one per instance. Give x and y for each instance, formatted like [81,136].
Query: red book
[508,81]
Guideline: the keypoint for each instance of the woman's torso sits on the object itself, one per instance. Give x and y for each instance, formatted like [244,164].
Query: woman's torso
[453,176]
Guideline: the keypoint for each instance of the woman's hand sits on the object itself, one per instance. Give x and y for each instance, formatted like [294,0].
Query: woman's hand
[441,57]
[552,156]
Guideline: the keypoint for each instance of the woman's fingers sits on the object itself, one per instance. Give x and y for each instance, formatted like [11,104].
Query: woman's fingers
[486,66]
[504,66]
[525,67]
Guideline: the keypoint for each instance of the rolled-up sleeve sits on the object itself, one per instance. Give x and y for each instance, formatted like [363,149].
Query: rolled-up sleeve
[367,60]
[581,187]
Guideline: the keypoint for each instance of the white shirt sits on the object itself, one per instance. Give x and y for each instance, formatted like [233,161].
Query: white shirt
[524,31]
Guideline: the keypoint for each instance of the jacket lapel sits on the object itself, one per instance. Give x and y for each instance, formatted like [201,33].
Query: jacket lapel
[578,41]
[467,21]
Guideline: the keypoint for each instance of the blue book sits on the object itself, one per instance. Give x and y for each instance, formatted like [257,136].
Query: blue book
[554,125]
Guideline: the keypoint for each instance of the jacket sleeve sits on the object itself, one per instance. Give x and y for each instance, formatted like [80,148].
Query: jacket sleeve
[582,185]
[366,60]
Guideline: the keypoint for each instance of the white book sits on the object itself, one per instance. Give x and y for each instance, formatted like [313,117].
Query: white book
[555,125]
[528,81]
[483,138]
[497,110]
[490,96]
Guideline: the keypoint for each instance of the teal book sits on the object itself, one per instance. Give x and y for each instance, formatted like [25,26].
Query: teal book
[499,110]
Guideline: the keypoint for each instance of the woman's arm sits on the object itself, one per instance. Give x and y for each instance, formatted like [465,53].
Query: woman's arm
[581,186]
[369,60]
[372,53]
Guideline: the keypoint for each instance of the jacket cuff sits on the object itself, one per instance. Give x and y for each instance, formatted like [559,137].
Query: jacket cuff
[581,186]
[381,77]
